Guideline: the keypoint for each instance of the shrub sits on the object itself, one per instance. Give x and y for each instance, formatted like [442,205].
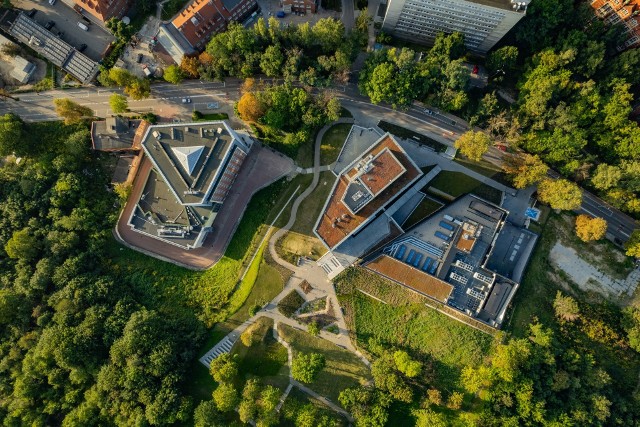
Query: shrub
[289,304]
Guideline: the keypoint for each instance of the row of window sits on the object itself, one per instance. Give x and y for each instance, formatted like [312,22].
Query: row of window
[478,26]
[457,8]
[448,25]
[457,16]
[472,40]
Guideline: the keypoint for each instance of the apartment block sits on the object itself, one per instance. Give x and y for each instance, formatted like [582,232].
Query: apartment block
[300,6]
[483,22]
[621,12]
[105,9]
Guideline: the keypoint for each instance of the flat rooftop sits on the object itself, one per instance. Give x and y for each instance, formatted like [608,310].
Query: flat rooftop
[511,251]
[411,277]
[115,134]
[189,157]
[160,215]
[378,184]
[56,50]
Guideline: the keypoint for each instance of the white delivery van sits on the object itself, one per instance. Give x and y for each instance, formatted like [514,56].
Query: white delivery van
[83,26]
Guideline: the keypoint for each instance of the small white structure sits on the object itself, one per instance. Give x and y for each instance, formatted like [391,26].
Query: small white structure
[22,69]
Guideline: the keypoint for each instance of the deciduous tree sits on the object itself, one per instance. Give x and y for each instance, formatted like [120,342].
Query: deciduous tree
[473,144]
[11,132]
[305,367]
[71,111]
[566,307]
[226,397]
[250,107]
[560,194]
[632,246]
[173,74]
[589,229]
[524,169]
[118,103]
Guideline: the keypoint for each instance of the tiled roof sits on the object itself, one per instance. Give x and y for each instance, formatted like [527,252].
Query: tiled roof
[337,221]
[410,277]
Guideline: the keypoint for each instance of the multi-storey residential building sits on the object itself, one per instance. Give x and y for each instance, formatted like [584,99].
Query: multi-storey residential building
[193,26]
[105,9]
[301,6]
[623,12]
[483,22]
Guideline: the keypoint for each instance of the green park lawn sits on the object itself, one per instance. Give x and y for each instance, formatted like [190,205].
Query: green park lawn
[343,369]
[332,142]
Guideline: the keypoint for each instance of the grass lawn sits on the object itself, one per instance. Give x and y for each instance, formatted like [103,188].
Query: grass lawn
[425,208]
[332,142]
[488,193]
[213,116]
[343,370]
[485,168]
[443,344]
[293,245]
[405,133]
[454,183]
[266,358]
[310,208]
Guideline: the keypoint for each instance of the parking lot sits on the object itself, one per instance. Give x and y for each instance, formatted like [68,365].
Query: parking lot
[270,7]
[66,21]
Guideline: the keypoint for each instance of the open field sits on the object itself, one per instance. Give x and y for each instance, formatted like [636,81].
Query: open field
[343,370]
[443,344]
[332,142]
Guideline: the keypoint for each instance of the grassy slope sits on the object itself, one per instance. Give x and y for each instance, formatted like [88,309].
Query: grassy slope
[332,142]
[343,368]
[425,208]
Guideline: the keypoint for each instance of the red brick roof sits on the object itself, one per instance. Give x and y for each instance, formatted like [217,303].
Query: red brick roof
[337,221]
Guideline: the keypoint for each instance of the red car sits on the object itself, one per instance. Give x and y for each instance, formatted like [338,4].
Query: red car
[475,69]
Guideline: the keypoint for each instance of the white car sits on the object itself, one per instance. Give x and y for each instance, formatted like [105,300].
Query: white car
[186,100]
[52,2]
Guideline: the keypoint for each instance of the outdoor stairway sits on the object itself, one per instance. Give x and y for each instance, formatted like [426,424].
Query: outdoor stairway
[223,346]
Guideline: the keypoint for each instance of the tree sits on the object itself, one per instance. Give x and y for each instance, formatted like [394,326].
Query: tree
[11,132]
[305,367]
[631,324]
[10,49]
[190,65]
[455,400]
[138,89]
[313,328]
[566,307]
[504,59]
[606,176]
[271,61]
[363,21]
[22,245]
[250,108]
[207,415]
[173,74]
[368,406]
[632,246]
[386,377]
[589,229]
[226,397]
[560,194]
[224,368]
[430,418]
[525,169]
[328,33]
[118,103]
[473,144]
[434,396]
[409,367]
[71,111]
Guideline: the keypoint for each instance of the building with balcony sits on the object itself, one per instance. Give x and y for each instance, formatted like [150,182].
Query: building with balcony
[483,22]
[625,13]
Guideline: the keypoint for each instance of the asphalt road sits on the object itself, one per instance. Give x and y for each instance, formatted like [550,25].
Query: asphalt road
[166,101]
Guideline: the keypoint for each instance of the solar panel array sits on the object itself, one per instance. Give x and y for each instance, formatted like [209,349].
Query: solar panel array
[59,52]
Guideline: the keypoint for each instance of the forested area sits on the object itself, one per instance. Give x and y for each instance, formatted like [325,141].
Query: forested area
[575,93]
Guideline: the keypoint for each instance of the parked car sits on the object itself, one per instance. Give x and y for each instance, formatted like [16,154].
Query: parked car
[280,14]
[32,13]
[49,25]
[83,26]
[186,100]
[139,59]
[82,47]
[60,34]
[52,2]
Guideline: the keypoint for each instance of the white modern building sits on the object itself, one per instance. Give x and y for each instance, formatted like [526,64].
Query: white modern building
[483,22]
